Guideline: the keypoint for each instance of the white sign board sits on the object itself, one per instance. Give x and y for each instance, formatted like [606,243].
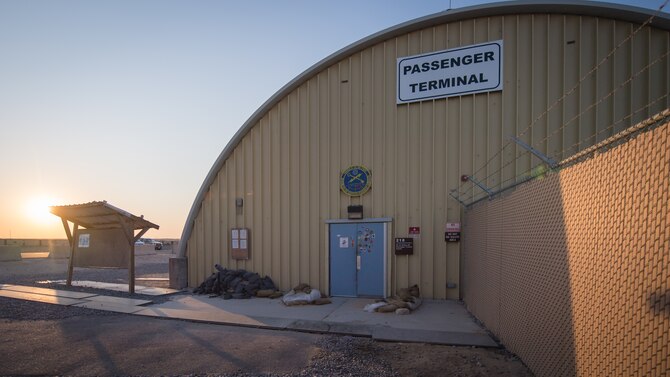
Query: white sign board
[452,227]
[84,240]
[455,72]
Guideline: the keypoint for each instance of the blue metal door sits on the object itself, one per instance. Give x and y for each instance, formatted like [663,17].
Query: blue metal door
[370,250]
[357,259]
[343,260]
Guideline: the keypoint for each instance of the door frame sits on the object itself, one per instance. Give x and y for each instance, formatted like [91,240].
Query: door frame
[386,222]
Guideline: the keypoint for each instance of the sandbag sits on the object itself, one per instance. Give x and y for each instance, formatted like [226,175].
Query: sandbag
[414,291]
[265,292]
[388,308]
[240,282]
[371,308]
[414,304]
[404,294]
[292,296]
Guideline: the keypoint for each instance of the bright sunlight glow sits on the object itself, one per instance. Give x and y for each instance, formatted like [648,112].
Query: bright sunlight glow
[37,210]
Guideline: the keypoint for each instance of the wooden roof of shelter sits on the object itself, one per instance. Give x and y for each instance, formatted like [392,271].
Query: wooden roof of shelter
[100,215]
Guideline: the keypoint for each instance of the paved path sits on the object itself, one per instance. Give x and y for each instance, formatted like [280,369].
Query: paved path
[435,321]
[69,298]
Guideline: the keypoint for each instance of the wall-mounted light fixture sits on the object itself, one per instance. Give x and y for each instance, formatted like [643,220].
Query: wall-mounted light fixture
[355,212]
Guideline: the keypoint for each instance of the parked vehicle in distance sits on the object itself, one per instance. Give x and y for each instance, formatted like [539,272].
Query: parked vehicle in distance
[158,245]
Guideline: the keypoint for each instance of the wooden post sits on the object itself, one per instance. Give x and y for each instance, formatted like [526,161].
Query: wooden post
[131,269]
[131,260]
[73,246]
[128,231]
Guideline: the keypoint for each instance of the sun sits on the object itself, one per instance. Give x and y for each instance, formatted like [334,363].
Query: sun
[37,209]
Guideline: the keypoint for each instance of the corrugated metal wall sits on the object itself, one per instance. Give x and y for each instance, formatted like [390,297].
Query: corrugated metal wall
[287,166]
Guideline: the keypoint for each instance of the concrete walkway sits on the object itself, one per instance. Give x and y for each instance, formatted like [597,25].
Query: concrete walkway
[435,321]
[69,298]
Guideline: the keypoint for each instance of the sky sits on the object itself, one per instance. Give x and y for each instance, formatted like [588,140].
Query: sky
[132,101]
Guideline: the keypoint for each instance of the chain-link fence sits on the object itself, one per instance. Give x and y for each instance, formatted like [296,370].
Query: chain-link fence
[572,271]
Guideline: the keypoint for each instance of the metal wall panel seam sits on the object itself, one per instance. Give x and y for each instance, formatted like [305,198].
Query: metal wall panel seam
[216,219]
[293,128]
[229,191]
[285,193]
[433,196]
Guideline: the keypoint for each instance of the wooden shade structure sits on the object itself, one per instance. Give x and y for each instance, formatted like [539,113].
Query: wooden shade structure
[102,215]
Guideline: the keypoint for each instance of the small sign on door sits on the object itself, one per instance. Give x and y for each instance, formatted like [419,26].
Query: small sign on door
[344,242]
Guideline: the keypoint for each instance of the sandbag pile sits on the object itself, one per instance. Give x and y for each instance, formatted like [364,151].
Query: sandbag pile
[238,284]
[404,302]
[303,294]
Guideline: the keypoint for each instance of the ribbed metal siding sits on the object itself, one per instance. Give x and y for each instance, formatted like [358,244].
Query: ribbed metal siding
[287,167]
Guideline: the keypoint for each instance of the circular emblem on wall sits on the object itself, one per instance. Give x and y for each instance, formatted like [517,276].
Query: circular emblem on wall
[355,181]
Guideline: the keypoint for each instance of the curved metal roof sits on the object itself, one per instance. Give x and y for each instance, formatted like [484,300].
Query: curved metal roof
[585,8]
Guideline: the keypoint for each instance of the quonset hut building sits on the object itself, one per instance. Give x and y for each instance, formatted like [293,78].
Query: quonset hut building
[342,179]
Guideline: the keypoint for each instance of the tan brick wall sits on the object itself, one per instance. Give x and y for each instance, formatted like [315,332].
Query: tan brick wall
[571,272]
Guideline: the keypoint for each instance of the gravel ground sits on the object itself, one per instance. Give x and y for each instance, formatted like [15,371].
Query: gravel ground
[339,356]
[34,272]
[329,355]
[348,356]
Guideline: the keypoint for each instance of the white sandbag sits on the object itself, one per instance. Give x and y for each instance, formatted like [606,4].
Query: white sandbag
[371,308]
[315,294]
[292,298]
[414,303]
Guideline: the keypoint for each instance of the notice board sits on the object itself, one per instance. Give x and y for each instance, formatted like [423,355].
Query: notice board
[107,248]
[239,243]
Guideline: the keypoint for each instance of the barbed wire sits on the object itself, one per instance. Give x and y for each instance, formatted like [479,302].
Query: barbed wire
[613,140]
[575,87]
[500,185]
[483,181]
[613,125]
[541,169]
[608,95]
[595,68]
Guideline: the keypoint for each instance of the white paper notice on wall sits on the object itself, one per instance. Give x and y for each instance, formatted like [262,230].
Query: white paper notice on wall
[239,243]
[344,242]
[84,240]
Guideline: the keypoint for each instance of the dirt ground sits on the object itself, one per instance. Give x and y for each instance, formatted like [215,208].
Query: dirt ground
[436,360]
[321,355]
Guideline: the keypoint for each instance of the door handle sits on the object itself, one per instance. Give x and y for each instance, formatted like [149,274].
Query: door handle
[358,262]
